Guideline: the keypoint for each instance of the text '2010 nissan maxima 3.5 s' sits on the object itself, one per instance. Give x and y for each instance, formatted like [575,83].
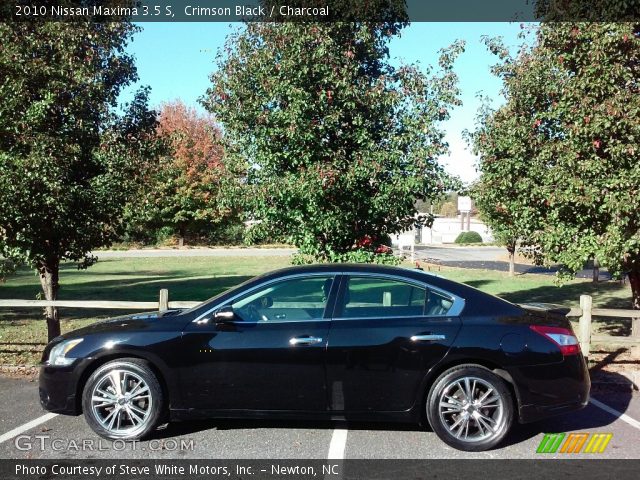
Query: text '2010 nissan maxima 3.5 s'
[333,341]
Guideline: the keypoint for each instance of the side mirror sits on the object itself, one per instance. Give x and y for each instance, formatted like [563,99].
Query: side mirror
[225,314]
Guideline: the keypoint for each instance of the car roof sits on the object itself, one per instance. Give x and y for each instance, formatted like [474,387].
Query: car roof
[482,302]
[368,268]
[319,267]
[351,268]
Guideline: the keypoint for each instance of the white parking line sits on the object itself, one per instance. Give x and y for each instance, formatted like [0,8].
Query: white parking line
[338,444]
[27,426]
[625,418]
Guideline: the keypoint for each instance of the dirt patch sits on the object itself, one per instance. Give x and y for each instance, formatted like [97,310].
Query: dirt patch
[615,369]
[19,371]
[519,258]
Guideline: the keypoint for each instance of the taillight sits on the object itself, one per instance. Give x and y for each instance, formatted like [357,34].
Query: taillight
[562,337]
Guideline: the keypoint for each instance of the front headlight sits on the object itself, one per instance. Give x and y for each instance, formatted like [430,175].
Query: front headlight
[58,354]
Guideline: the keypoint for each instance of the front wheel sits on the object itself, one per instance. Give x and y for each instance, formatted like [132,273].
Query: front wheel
[123,400]
[470,408]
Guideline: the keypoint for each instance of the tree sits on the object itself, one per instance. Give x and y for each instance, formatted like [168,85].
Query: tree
[449,210]
[67,161]
[182,190]
[574,97]
[332,144]
[502,195]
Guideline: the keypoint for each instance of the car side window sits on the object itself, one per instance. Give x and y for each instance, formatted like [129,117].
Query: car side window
[296,299]
[371,297]
[438,304]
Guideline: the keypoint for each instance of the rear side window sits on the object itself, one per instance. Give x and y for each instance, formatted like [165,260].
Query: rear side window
[370,297]
[438,304]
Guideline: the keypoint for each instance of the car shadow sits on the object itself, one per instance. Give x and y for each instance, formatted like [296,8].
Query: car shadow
[611,387]
[590,418]
[190,427]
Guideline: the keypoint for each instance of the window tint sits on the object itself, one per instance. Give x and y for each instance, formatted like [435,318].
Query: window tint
[367,297]
[297,299]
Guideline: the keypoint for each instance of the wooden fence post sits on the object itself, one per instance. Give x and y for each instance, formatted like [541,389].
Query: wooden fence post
[164,300]
[586,303]
[635,334]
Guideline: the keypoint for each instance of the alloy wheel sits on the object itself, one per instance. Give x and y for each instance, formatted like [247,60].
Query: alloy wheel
[471,409]
[121,401]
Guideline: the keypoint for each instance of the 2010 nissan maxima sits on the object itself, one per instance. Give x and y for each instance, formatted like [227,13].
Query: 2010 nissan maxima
[333,341]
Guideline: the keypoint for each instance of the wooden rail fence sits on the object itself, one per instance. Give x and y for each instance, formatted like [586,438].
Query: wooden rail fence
[162,304]
[586,312]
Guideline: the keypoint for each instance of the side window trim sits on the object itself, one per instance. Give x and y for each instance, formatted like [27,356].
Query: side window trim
[326,314]
[455,310]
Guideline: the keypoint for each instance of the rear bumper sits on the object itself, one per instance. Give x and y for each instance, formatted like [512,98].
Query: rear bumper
[57,389]
[532,413]
[553,389]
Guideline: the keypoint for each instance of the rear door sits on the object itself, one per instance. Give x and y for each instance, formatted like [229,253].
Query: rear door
[386,333]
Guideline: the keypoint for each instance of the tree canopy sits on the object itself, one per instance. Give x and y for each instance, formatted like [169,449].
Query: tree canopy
[332,144]
[68,160]
[182,188]
[567,141]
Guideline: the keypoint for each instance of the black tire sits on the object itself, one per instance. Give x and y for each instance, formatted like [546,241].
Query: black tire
[130,370]
[472,419]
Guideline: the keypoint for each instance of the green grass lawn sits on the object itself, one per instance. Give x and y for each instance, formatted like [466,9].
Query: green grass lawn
[198,278]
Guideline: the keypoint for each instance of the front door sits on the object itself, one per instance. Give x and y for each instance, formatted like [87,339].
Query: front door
[385,336]
[270,356]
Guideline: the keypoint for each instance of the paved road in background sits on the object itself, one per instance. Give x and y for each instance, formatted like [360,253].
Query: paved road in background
[226,439]
[488,258]
[436,253]
[461,254]
[194,252]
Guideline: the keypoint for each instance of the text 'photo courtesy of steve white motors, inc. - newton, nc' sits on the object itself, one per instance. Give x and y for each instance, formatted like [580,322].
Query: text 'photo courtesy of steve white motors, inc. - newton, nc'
[179,469]
[168,11]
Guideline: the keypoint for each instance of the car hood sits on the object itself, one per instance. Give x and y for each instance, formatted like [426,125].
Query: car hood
[136,321]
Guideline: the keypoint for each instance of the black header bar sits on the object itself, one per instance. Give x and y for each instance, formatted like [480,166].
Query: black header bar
[321,10]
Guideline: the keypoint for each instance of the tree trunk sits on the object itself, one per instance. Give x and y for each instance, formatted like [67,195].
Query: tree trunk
[49,272]
[181,233]
[511,248]
[596,270]
[634,281]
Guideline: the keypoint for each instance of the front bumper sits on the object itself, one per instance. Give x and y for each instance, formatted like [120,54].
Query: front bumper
[57,388]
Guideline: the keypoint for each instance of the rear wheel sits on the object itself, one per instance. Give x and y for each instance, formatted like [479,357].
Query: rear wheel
[470,408]
[123,400]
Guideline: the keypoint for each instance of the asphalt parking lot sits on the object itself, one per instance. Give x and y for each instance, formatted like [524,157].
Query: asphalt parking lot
[26,433]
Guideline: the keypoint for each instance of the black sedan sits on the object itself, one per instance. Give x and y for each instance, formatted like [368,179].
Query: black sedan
[354,342]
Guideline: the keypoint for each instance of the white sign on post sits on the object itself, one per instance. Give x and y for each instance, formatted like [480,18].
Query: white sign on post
[464,204]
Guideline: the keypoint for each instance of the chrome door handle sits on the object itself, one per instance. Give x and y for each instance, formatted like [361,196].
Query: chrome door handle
[427,338]
[304,341]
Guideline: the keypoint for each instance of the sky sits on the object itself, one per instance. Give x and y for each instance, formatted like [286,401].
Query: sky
[176,60]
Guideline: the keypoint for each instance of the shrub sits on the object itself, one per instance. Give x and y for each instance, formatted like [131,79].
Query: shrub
[380,256]
[468,237]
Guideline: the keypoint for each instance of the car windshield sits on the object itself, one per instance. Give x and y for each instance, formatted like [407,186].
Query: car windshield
[215,297]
